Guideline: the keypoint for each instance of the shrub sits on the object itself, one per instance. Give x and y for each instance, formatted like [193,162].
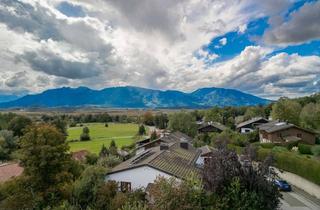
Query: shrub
[267,145]
[106,125]
[316,150]
[291,144]
[305,149]
[85,137]
[91,159]
[304,167]
[237,149]
[279,149]
[263,153]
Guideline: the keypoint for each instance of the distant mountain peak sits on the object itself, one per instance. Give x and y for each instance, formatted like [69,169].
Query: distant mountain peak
[135,97]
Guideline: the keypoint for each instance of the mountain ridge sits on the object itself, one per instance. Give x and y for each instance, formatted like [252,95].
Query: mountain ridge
[135,97]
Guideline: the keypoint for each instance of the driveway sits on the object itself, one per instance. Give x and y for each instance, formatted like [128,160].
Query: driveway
[299,200]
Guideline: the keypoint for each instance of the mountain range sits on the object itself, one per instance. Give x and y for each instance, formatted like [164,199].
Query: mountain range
[135,97]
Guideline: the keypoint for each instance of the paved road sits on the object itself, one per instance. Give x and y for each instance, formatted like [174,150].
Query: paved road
[299,200]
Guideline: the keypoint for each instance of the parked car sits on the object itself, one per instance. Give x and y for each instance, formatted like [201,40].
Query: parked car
[283,185]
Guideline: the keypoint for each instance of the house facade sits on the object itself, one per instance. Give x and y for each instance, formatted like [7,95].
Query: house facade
[211,127]
[176,159]
[250,125]
[279,132]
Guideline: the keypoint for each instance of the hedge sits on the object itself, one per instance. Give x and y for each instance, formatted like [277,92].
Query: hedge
[267,145]
[238,149]
[305,149]
[304,167]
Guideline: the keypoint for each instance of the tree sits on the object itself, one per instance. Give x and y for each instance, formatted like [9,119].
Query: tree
[104,151]
[184,122]
[18,124]
[113,149]
[254,111]
[161,121]
[85,136]
[148,119]
[8,144]
[48,170]
[91,159]
[154,135]
[172,194]
[60,124]
[236,186]
[286,110]
[142,130]
[310,116]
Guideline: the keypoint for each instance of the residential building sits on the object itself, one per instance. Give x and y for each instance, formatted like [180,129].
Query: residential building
[278,132]
[250,125]
[175,159]
[210,127]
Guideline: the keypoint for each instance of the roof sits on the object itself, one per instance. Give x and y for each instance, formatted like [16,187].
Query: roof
[205,150]
[175,161]
[9,170]
[176,136]
[275,126]
[214,124]
[253,120]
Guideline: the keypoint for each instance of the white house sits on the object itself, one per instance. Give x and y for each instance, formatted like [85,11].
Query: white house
[167,160]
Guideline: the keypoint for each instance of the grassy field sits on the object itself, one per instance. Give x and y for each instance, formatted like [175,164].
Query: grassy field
[123,134]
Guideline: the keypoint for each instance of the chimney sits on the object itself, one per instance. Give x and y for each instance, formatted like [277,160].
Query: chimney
[164,146]
[184,143]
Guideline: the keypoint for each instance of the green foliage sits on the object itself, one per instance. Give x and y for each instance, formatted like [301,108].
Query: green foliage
[18,124]
[8,144]
[104,151]
[304,149]
[148,119]
[161,121]
[304,167]
[142,130]
[91,159]
[134,206]
[201,140]
[113,149]
[184,122]
[255,111]
[316,150]
[153,135]
[310,116]
[263,153]
[85,136]
[239,150]
[267,145]
[286,110]
[279,149]
[109,161]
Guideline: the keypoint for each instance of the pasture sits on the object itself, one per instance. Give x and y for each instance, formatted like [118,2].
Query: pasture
[122,133]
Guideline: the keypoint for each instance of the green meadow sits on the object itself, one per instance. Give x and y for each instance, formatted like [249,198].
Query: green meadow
[122,133]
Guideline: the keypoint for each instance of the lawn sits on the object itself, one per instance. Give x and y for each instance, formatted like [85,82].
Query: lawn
[122,133]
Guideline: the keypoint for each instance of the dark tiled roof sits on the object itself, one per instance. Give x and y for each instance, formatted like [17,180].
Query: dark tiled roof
[214,124]
[248,122]
[275,126]
[10,170]
[176,161]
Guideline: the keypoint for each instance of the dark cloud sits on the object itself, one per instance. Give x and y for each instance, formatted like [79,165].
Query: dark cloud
[303,26]
[17,80]
[52,64]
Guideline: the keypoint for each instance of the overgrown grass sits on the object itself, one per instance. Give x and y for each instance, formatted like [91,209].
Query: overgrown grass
[123,134]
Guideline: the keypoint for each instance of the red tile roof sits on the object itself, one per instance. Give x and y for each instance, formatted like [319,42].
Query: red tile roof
[9,170]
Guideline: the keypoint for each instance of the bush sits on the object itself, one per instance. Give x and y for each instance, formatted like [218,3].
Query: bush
[304,167]
[316,150]
[263,153]
[237,149]
[291,144]
[279,149]
[267,145]
[91,159]
[305,149]
[85,137]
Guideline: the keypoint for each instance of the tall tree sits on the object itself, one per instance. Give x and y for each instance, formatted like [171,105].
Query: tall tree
[142,130]
[18,124]
[310,116]
[8,144]
[184,122]
[286,110]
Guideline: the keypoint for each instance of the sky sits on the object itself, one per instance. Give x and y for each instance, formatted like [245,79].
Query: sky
[267,48]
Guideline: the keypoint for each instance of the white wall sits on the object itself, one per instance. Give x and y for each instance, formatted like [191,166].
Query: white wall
[139,177]
[246,130]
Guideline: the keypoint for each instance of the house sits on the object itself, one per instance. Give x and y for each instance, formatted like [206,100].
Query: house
[9,170]
[250,125]
[205,153]
[278,132]
[211,127]
[176,136]
[176,159]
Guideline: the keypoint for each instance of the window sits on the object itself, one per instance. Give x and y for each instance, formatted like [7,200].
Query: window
[125,186]
[299,135]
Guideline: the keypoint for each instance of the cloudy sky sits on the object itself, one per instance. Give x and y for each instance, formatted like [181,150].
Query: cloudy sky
[267,48]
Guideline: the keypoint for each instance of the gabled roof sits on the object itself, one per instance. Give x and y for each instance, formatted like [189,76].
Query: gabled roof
[9,170]
[275,126]
[213,124]
[205,150]
[175,161]
[253,120]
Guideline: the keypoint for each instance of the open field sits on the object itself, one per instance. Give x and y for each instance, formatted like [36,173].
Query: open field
[123,134]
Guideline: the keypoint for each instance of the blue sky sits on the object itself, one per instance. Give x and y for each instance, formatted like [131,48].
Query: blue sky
[267,48]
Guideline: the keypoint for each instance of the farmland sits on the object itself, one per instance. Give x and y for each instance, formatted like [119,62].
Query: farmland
[122,133]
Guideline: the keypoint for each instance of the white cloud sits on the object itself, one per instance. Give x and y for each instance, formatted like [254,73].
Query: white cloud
[223,41]
[150,43]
